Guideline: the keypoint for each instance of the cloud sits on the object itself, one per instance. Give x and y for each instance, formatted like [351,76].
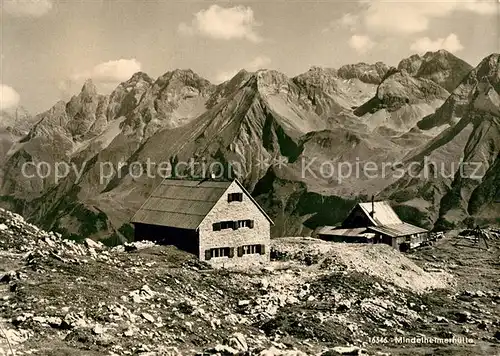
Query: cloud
[481,7]
[259,62]
[110,72]
[106,76]
[223,24]
[409,17]
[9,98]
[361,43]
[349,20]
[451,43]
[28,8]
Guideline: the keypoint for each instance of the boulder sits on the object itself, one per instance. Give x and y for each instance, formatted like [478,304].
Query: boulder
[463,316]
[93,244]
[98,329]
[148,317]
[349,350]
[237,341]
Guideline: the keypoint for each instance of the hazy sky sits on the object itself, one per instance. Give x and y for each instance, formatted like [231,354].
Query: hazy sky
[49,47]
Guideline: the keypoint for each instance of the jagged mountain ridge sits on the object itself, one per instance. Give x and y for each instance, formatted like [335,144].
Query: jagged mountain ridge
[141,106]
[400,101]
[414,90]
[253,116]
[172,100]
[472,117]
[325,84]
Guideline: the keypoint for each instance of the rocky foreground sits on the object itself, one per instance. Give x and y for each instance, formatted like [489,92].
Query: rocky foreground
[58,297]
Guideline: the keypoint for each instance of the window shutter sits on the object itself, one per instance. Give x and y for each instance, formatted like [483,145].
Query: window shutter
[216,226]
[235,225]
[250,224]
[240,196]
[231,252]
[208,255]
[229,197]
[240,251]
[262,249]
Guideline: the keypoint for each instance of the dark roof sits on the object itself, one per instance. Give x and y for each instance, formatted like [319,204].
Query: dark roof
[396,230]
[183,203]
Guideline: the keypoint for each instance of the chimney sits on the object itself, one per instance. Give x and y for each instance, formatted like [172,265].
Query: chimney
[373,206]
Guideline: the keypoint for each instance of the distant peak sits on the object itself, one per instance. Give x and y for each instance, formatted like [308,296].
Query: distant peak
[270,75]
[316,69]
[242,71]
[443,52]
[241,75]
[321,70]
[368,73]
[182,75]
[140,76]
[493,56]
[178,79]
[183,71]
[490,65]
[268,78]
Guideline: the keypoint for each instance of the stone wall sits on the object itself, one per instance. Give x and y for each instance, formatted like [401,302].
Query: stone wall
[225,211]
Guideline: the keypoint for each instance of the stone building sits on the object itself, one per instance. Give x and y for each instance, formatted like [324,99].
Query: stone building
[375,222]
[217,221]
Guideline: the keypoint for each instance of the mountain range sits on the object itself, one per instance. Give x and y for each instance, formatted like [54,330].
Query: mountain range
[284,138]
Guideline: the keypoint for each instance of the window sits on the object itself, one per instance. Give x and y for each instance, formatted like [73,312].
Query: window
[223,225]
[244,223]
[227,225]
[219,252]
[232,225]
[251,250]
[234,197]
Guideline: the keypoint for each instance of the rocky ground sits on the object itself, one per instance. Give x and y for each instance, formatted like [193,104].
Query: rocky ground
[58,297]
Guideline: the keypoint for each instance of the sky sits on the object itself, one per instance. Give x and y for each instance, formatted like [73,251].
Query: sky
[50,47]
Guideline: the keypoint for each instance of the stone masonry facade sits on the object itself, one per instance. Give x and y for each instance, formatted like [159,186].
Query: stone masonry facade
[258,235]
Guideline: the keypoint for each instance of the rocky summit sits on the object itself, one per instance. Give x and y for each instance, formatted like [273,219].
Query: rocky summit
[59,297]
[433,105]
[401,100]
[368,73]
[442,67]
